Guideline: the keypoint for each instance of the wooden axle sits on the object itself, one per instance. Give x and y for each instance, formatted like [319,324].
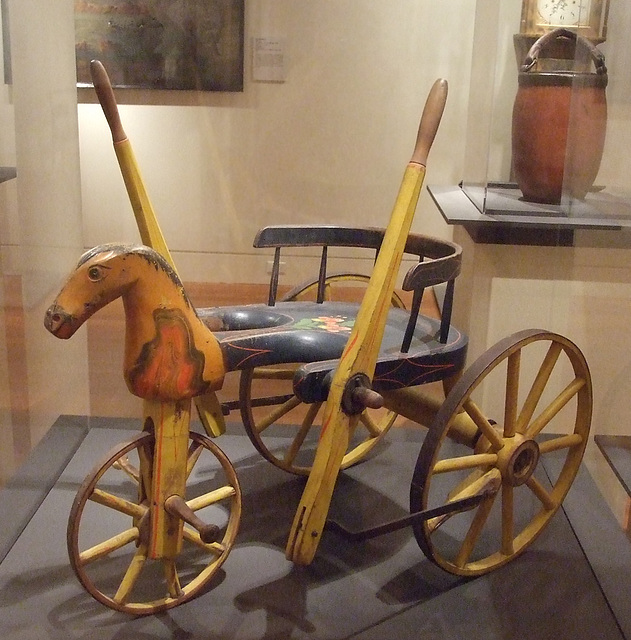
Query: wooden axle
[421,406]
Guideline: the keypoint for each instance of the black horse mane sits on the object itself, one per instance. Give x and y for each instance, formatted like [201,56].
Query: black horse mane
[147,253]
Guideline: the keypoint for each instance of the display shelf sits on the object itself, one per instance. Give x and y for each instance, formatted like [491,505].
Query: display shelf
[531,224]
[617,452]
[7,173]
[599,209]
[565,585]
[25,491]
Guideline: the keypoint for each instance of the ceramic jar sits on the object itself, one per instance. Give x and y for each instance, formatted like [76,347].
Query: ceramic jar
[559,124]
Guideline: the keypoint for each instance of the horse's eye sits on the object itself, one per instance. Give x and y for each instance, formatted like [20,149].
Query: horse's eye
[95,274]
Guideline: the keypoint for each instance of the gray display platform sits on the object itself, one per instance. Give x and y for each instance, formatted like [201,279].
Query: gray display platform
[514,222]
[573,583]
[617,452]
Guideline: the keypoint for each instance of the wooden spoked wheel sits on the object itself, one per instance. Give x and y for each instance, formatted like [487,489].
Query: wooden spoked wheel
[271,412]
[533,414]
[286,431]
[110,525]
[348,287]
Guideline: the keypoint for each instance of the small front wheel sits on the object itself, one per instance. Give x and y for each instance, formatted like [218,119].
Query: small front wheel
[110,525]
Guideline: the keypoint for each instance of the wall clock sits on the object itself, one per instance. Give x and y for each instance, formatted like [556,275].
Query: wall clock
[586,17]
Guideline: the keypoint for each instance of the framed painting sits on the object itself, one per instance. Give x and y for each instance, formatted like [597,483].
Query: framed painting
[6,45]
[162,44]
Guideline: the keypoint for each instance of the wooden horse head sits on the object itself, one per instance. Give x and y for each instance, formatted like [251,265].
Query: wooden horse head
[169,353]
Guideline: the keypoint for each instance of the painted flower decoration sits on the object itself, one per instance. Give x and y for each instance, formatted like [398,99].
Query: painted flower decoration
[331,324]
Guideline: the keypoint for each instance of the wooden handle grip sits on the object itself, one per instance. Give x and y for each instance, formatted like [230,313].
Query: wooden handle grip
[176,506]
[432,113]
[368,398]
[105,94]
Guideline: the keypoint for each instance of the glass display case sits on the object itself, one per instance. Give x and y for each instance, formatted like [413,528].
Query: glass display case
[556,258]
[218,165]
[548,126]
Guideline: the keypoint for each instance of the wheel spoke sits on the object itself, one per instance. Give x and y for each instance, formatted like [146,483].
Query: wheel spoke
[195,451]
[538,386]
[123,464]
[269,373]
[118,504]
[562,442]
[371,425]
[476,528]
[216,548]
[359,451]
[277,413]
[298,441]
[512,392]
[508,520]
[173,580]
[465,462]
[539,490]
[212,497]
[464,486]
[483,424]
[473,485]
[554,407]
[131,575]
[108,546]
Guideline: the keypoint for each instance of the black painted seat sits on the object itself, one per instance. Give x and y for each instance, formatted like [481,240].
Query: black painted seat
[416,349]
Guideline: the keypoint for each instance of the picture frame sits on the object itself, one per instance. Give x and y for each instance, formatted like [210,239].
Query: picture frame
[6,43]
[191,45]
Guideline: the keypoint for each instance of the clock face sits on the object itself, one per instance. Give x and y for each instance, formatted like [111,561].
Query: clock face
[564,13]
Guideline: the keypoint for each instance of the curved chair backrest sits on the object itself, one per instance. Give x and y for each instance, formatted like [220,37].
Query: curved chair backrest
[439,261]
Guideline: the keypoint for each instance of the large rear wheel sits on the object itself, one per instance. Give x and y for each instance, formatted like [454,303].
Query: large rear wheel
[284,430]
[531,398]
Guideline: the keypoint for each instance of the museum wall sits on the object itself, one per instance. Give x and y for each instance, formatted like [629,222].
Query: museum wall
[328,145]
[40,226]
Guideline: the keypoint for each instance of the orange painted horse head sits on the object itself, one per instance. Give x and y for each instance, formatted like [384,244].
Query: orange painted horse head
[169,353]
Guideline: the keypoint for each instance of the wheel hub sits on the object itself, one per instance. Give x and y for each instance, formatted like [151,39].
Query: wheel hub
[518,461]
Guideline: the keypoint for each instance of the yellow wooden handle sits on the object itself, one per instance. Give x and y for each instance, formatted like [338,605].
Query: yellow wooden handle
[146,220]
[362,348]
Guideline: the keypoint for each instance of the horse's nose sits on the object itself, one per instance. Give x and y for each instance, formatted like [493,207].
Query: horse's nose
[58,321]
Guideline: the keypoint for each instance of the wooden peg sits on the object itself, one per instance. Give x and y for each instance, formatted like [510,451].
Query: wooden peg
[176,506]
